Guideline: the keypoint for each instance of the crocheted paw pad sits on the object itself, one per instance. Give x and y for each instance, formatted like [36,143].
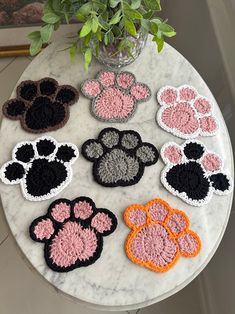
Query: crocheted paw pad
[119,157]
[115,95]
[193,173]
[42,167]
[41,106]
[159,236]
[73,233]
[185,113]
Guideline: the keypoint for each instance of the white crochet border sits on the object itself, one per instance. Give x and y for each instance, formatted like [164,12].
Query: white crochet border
[28,165]
[197,114]
[183,195]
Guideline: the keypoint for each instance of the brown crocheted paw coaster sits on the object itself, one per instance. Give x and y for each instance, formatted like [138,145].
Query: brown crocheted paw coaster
[41,106]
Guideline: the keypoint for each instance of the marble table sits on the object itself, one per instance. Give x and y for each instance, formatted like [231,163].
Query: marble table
[114,282]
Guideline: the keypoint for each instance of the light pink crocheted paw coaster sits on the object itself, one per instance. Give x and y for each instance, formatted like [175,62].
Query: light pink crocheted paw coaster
[159,235]
[185,113]
[193,173]
[115,95]
[73,233]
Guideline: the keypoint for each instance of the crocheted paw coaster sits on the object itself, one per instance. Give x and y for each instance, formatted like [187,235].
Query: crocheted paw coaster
[160,235]
[41,167]
[119,157]
[193,173]
[73,233]
[41,106]
[185,113]
[115,95]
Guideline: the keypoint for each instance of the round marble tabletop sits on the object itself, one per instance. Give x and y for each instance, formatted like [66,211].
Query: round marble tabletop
[114,282]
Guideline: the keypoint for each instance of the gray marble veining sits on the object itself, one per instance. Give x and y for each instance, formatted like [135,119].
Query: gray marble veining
[114,282]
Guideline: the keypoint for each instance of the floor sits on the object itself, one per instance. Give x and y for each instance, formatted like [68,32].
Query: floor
[24,291]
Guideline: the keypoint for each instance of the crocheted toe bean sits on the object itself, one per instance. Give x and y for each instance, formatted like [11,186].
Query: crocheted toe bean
[189,244]
[115,96]
[167,95]
[172,153]
[14,108]
[27,90]
[187,93]
[42,105]
[222,183]
[119,157]
[185,113]
[193,173]
[47,86]
[160,234]
[135,216]
[42,167]
[158,210]
[73,233]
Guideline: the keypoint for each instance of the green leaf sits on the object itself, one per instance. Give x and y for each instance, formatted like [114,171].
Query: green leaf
[153,28]
[35,46]
[114,3]
[106,39]
[159,42]
[34,35]
[94,24]
[103,24]
[133,14]
[130,26]
[50,18]
[46,32]
[153,4]
[130,13]
[135,4]
[73,52]
[85,9]
[116,31]
[87,57]
[80,17]
[165,28]
[86,29]
[145,25]
[116,18]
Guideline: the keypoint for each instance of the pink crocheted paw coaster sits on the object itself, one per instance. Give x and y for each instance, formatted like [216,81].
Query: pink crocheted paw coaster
[160,235]
[115,95]
[193,173]
[41,167]
[41,106]
[73,233]
[185,113]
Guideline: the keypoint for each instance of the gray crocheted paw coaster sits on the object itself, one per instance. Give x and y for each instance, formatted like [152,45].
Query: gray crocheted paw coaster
[41,106]
[119,157]
[115,95]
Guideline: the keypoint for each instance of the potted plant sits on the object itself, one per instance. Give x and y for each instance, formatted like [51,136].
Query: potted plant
[115,31]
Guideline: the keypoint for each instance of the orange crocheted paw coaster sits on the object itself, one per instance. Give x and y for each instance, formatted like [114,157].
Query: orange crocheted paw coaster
[160,235]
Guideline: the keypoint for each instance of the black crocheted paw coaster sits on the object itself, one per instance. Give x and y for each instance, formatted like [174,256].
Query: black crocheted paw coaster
[115,95]
[73,233]
[193,173]
[41,106]
[119,157]
[41,167]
